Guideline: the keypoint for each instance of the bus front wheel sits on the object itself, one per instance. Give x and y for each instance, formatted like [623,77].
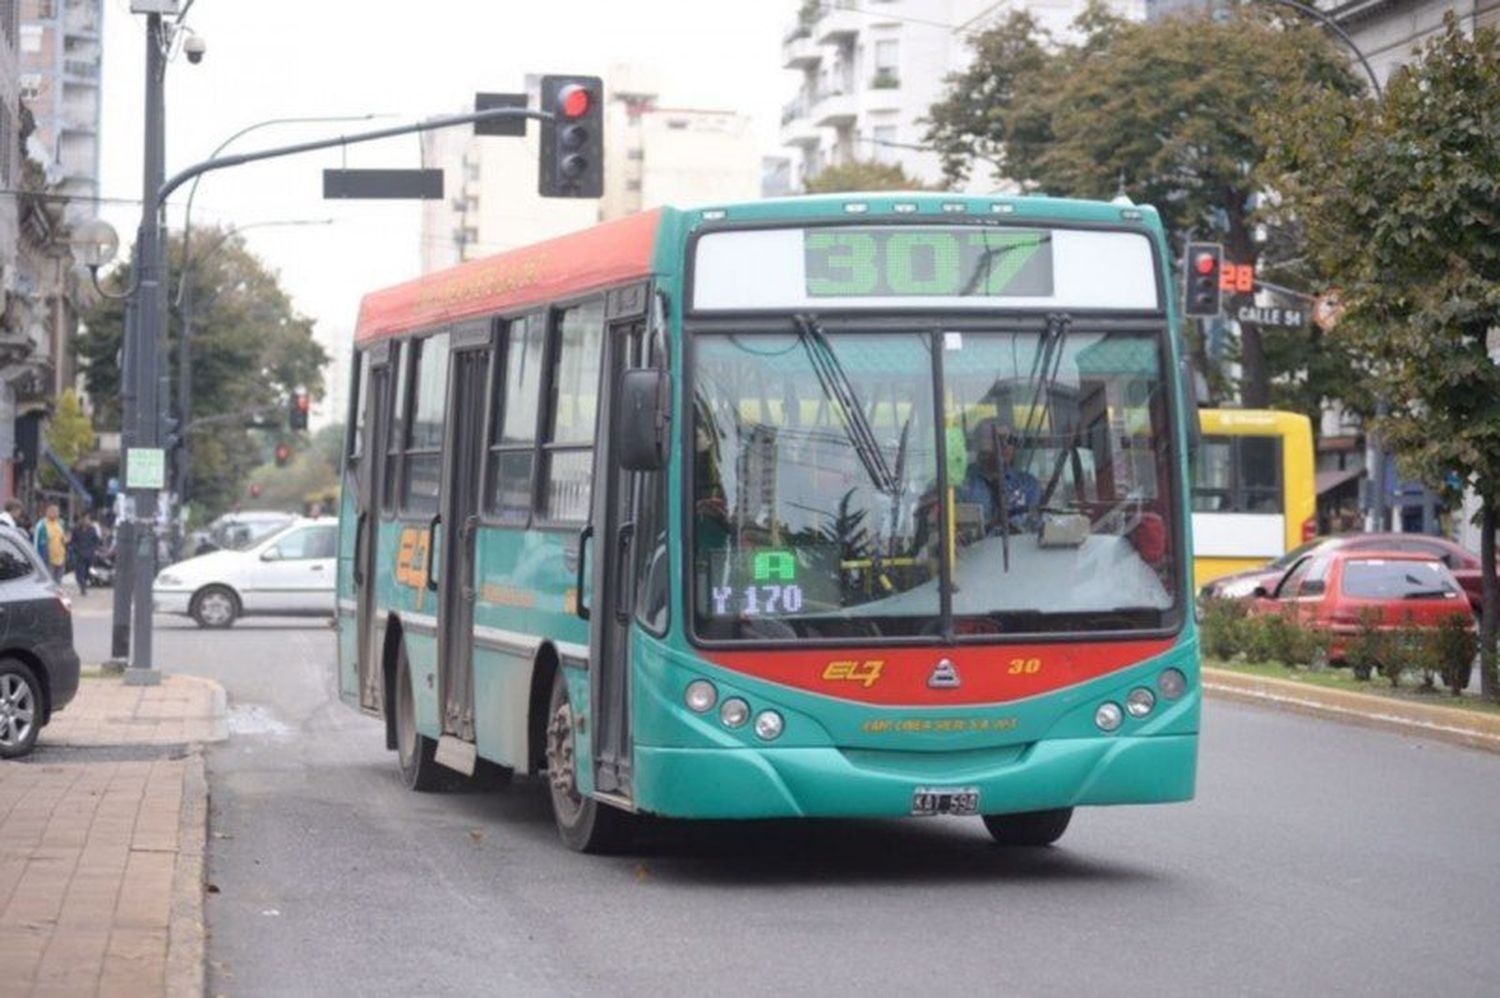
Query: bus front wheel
[1031,828]
[585,824]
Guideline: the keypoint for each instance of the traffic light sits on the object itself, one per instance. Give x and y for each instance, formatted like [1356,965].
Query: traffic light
[283,455]
[254,491]
[1205,262]
[572,149]
[297,414]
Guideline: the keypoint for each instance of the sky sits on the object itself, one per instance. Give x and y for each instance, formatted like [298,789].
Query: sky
[408,60]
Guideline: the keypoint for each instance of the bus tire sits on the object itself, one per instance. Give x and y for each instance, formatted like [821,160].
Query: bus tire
[585,824]
[414,751]
[1031,828]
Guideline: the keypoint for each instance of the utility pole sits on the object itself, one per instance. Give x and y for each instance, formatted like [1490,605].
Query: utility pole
[142,348]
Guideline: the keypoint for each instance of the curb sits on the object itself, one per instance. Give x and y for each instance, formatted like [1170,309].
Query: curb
[1447,724]
[186,956]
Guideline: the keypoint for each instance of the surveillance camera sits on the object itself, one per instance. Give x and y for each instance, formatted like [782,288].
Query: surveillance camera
[193,47]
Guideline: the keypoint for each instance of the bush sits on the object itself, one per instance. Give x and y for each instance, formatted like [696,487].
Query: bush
[1223,626]
[1368,649]
[1454,645]
[1406,647]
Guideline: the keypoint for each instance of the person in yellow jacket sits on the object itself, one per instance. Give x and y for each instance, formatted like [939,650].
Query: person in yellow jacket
[52,542]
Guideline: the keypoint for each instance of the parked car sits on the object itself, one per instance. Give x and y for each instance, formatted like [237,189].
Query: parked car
[289,573]
[1463,564]
[1328,590]
[38,665]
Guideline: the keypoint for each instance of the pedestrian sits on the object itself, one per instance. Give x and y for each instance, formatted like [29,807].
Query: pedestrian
[14,514]
[52,542]
[83,546]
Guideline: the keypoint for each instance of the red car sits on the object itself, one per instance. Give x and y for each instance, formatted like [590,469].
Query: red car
[1463,565]
[1328,590]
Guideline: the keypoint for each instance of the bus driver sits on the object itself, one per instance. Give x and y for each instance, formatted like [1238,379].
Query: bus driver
[993,479]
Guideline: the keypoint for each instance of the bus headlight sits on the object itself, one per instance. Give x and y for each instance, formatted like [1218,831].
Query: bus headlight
[701,696]
[1172,683]
[768,725]
[1108,717]
[734,713]
[1139,702]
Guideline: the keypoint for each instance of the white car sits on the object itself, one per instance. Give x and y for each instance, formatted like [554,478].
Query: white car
[291,572]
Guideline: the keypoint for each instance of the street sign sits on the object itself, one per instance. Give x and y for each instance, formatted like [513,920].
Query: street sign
[145,468]
[499,126]
[425,185]
[1285,318]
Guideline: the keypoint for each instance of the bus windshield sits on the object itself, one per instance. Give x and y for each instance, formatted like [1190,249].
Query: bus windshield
[831,492]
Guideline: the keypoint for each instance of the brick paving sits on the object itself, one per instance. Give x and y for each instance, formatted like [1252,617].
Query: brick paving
[100,873]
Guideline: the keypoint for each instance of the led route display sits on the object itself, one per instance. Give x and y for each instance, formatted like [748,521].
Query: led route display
[909,260]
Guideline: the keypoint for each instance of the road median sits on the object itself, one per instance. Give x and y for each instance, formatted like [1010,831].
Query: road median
[1448,724]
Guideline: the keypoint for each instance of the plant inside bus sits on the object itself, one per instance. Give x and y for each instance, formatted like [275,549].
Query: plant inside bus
[833,497]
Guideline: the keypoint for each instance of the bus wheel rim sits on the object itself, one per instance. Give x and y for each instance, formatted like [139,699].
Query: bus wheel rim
[562,763]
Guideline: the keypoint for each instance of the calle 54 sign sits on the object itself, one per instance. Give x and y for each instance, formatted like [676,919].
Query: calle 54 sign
[1287,318]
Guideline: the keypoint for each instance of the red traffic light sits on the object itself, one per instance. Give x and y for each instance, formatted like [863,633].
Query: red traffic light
[574,101]
[1204,263]
[283,452]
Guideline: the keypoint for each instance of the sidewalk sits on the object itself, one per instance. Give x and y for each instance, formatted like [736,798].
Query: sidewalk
[1417,720]
[102,835]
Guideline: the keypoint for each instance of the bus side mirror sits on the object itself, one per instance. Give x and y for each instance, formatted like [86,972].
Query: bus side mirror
[644,416]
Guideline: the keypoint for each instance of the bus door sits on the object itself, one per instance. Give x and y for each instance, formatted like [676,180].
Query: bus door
[454,540]
[367,521]
[614,523]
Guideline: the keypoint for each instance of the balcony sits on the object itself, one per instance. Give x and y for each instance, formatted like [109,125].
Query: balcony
[81,69]
[799,51]
[834,108]
[839,24]
[797,128]
[81,21]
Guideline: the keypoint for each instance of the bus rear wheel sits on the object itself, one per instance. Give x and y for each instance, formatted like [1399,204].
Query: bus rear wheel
[414,751]
[585,824]
[1031,828]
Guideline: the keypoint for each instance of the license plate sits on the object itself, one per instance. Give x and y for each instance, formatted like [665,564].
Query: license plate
[945,800]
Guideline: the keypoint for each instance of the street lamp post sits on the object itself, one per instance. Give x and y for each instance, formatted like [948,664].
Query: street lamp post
[1374,452]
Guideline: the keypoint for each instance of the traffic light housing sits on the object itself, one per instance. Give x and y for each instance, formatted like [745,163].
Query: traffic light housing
[283,455]
[301,404]
[572,149]
[1204,271]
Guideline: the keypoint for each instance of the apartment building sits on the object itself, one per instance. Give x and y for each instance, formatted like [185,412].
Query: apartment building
[871,69]
[61,55]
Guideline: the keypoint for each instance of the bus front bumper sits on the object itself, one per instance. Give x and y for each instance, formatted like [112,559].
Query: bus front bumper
[831,782]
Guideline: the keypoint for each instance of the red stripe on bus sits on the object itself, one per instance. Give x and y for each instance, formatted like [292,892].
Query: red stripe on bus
[905,676]
[556,269]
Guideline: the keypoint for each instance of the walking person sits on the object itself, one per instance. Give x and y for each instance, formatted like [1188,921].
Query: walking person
[14,514]
[52,542]
[83,545]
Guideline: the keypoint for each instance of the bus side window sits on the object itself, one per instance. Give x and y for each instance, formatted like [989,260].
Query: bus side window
[512,459]
[422,471]
[395,426]
[573,412]
[1260,474]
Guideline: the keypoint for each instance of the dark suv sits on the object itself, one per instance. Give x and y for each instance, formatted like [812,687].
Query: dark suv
[38,666]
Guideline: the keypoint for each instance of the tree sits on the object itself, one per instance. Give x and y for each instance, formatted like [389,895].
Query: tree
[70,434]
[863,176]
[250,349]
[1401,206]
[1164,111]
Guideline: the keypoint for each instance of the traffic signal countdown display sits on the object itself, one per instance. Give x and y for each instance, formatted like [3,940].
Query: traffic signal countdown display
[572,148]
[1205,266]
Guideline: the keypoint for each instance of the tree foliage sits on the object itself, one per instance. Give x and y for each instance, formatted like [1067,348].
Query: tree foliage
[1164,111]
[1401,206]
[70,434]
[250,348]
[865,175]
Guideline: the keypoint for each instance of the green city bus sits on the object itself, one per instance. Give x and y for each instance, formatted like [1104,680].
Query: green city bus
[836,506]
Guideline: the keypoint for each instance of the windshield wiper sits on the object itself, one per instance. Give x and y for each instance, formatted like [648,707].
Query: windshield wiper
[837,386]
[1045,368]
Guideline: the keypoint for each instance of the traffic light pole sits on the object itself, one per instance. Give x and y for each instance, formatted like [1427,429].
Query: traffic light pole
[143,375]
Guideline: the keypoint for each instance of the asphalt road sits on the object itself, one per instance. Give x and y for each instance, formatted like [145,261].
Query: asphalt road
[1318,858]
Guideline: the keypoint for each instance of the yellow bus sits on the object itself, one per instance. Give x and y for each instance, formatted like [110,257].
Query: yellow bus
[1254,490]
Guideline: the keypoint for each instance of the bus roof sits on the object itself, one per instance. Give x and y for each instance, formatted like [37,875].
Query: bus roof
[593,258]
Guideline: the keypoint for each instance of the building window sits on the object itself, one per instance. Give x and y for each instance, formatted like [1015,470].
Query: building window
[31,38]
[883,137]
[887,56]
